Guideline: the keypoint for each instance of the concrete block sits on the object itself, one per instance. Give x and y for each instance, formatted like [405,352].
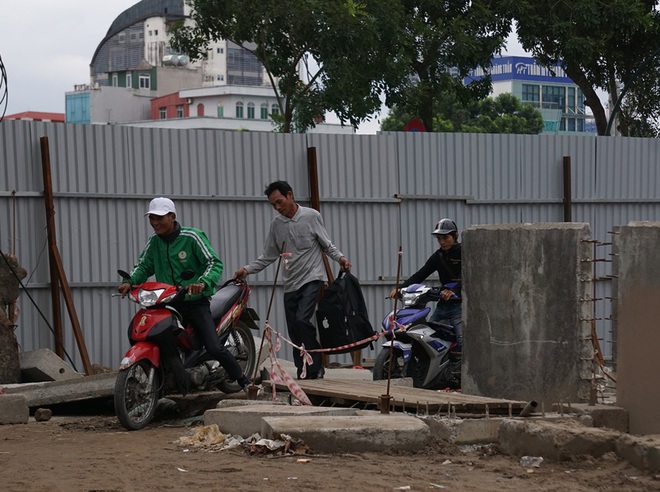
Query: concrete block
[653,458]
[556,441]
[631,450]
[351,433]
[53,392]
[45,365]
[248,419]
[14,409]
[469,431]
[535,348]
[602,415]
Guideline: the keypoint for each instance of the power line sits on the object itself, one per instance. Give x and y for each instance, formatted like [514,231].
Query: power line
[4,93]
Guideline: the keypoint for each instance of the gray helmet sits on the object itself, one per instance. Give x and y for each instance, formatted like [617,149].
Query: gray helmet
[445,226]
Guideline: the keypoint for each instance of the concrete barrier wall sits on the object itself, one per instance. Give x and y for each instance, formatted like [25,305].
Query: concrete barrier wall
[638,325]
[525,297]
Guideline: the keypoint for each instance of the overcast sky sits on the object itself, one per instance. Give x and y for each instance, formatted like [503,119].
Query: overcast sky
[47,46]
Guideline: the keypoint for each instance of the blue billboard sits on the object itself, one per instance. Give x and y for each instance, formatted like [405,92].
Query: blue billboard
[520,68]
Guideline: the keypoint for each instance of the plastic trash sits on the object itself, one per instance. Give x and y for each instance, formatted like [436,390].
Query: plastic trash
[531,461]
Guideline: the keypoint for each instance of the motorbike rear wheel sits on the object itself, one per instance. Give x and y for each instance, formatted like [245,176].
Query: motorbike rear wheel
[241,345]
[382,364]
[136,395]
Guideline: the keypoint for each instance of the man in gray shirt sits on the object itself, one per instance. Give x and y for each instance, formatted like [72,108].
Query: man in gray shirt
[303,234]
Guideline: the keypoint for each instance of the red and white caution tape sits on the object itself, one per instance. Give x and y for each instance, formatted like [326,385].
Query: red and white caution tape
[283,375]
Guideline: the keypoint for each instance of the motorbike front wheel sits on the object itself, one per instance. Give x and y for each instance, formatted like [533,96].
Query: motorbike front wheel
[382,364]
[241,345]
[136,395]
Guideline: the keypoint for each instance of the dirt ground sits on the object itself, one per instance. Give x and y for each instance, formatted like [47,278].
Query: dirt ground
[94,453]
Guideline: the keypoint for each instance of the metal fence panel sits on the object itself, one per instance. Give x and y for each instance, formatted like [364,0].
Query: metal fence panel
[377,192]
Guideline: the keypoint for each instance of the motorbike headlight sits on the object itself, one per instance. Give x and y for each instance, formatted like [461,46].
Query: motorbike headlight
[148,298]
[410,299]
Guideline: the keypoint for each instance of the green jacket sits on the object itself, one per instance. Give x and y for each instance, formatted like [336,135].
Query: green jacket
[186,249]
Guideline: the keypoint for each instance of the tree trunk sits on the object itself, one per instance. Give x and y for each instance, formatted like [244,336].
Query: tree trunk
[11,273]
[10,367]
[591,99]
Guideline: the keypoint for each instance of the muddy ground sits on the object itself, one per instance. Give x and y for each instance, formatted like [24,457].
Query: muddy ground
[90,451]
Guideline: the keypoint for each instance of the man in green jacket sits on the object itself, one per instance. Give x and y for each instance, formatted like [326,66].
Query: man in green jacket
[170,251]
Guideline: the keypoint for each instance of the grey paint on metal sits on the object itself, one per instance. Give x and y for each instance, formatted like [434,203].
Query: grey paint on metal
[378,193]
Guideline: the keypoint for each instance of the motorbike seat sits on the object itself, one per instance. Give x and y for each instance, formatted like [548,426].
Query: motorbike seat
[224,299]
[444,330]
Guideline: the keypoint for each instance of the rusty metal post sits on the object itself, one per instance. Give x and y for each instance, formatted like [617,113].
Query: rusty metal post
[52,245]
[568,200]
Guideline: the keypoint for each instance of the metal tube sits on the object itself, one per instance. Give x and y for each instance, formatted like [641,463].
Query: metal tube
[529,408]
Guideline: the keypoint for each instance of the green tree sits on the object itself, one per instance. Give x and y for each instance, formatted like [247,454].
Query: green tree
[598,43]
[341,46]
[439,43]
[503,114]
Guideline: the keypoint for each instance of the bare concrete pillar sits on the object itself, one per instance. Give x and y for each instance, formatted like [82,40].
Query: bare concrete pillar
[524,310]
[638,326]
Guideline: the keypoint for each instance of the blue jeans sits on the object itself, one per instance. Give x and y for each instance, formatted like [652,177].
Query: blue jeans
[450,313]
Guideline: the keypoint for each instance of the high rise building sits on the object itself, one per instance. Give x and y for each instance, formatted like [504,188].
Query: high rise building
[559,99]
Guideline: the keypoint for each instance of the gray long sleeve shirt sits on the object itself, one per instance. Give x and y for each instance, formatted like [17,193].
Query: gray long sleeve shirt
[305,239]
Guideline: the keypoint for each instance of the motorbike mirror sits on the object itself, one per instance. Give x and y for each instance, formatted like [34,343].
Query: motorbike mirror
[124,275]
[187,274]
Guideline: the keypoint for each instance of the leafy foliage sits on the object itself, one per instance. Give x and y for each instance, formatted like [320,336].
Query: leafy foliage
[503,114]
[343,47]
[599,43]
[439,43]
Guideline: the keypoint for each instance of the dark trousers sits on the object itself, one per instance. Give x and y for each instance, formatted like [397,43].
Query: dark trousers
[198,314]
[299,307]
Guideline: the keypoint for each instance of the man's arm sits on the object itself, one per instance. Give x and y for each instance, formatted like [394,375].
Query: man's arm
[327,246]
[270,254]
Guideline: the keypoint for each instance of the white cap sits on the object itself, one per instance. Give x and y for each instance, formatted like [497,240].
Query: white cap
[161,206]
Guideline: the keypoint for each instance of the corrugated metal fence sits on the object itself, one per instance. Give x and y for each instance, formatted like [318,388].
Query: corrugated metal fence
[377,193]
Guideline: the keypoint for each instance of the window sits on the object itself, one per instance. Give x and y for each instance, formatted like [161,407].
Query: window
[200,109]
[179,111]
[274,109]
[530,94]
[250,111]
[145,81]
[220,50]
[162,113]
[121,38]
[129,80]
[221,110]
[554,98]
[239,110]
[150,33]
[571,124]
[155,32]
[221,77]
[264,111]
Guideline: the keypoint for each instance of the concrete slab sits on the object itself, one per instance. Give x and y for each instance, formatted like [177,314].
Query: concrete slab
[556,441]
[14,409]
[351,434]
[608,416]
[54,392]
[45,365]
[246,420]
[468,431]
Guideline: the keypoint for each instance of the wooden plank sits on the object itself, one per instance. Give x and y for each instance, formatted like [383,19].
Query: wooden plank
[349,392]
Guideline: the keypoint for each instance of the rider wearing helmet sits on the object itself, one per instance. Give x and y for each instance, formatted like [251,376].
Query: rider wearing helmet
[447,262]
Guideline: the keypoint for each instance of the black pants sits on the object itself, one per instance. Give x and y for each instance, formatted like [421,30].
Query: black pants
[299,307]
[198,314]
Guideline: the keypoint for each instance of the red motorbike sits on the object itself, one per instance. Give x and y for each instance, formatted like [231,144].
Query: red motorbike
[142,379]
